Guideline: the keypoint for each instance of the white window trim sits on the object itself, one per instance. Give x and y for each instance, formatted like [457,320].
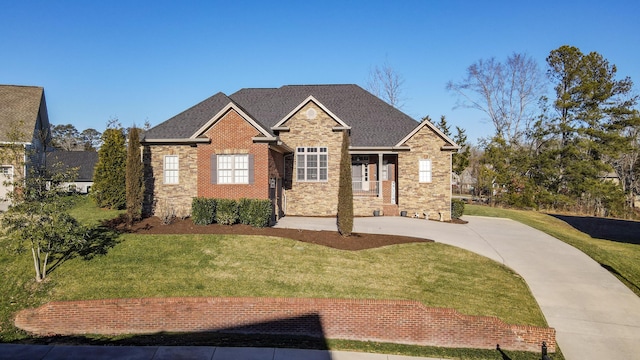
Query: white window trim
[304,151]
[168,173]
[425,170]
[234,171]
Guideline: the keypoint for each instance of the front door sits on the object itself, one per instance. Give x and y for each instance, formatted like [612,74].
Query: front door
[360,173]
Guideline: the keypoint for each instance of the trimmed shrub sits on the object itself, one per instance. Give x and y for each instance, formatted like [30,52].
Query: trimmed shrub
[226,211]
[345,189]
[203,210]
[260,211]
[245,211]
[457,208]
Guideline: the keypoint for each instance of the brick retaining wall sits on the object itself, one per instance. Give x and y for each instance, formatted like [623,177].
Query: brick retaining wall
[395,321]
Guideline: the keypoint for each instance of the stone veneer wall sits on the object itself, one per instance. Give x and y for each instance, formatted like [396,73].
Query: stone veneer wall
[159,196]
[313,198]
[394,321]
[433,198]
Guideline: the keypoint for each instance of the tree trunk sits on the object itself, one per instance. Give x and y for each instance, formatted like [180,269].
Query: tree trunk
[36,263]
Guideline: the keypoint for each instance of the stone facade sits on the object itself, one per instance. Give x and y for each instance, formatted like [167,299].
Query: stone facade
[161,198]
[318,198]
[432,199]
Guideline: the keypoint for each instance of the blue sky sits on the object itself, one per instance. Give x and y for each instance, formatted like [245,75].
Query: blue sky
[149,60]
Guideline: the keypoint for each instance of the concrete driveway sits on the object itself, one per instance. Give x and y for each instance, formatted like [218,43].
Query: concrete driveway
[594,314]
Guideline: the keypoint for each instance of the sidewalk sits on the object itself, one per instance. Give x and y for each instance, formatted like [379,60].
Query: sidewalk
[57,352]
[594,314]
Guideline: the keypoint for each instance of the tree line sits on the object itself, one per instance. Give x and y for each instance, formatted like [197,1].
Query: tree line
[576,148]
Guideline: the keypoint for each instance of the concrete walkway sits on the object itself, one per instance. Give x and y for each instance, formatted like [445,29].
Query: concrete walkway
[594,314]
[50,352]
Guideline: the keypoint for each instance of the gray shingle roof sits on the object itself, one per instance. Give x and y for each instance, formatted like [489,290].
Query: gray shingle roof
[185,124]
[19,107]
[85,161]
[373,122]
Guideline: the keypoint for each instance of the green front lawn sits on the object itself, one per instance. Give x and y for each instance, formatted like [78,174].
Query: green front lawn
[623,260]
[222,265]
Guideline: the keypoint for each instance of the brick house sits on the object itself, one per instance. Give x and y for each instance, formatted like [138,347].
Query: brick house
[284,144]
[24,134]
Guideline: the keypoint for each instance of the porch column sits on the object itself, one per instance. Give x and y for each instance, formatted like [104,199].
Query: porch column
[380,155]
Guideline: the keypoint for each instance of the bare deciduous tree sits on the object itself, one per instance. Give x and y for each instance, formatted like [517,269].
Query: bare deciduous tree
[506,92]
[385,83]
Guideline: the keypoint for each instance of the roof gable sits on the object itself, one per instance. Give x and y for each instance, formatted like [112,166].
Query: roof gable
[426,123]
[303,104]
[20,108]
[220,115]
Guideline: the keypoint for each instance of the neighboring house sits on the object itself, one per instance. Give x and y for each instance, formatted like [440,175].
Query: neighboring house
[24,134]
[284,144]
[82,162]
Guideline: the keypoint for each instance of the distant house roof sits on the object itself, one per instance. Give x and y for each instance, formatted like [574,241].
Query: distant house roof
[85,161]
[373,122]
[20,107]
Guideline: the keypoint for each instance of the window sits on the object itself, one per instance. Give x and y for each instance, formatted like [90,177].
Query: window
[233,169]
[311,163]
[425,171]
[171,169]
[385,171]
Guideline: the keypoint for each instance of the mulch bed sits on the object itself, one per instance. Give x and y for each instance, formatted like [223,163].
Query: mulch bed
[332,239]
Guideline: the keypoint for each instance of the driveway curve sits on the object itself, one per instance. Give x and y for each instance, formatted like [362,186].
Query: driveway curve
[594,314]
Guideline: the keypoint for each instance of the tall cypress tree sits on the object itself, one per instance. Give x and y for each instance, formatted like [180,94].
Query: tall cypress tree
[109,178]
[135,177]
[345,189]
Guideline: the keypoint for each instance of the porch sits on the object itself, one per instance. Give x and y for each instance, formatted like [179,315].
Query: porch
[374,184]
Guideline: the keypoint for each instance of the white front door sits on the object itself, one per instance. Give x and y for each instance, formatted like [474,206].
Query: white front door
[360,175]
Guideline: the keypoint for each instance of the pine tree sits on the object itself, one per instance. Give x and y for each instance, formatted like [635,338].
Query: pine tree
[109,179]
[135,177]
[345,189]
[587,136]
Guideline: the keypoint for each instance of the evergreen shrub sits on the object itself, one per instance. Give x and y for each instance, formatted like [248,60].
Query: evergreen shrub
[457,208]
[203,210]
[226,211]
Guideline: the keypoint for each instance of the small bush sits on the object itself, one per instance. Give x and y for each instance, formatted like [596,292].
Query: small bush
[457,208]
[166,213]
[245,211]
[203,210]
[260,213]
[226,211]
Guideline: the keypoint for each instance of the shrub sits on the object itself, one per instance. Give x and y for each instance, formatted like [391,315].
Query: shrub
[245,211]
[166,213]
[226,211]
[260,212]
[457,208]
[345,190]
[203,210]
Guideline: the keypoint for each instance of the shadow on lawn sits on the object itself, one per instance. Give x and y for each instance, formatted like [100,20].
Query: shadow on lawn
[100,239]
[297,332]
[623,231]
